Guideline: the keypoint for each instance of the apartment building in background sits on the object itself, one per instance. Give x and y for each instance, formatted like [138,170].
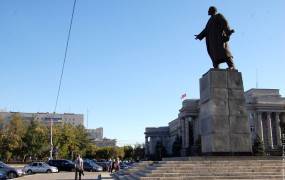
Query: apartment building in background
[46,117]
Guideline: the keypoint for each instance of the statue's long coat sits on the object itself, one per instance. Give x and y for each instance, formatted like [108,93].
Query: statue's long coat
[217,33]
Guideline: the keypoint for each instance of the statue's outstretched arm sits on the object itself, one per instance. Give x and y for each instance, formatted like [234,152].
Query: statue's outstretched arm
[202,34]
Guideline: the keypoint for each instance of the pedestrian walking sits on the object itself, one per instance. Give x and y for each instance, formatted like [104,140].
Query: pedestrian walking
[78,167]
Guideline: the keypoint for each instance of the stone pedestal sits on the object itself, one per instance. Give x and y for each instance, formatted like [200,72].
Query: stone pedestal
[223,116]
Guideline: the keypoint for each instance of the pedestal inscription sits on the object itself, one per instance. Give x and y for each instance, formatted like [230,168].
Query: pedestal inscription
[223,117]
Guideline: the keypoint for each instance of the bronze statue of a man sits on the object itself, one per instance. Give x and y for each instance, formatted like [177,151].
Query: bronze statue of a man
[217,33]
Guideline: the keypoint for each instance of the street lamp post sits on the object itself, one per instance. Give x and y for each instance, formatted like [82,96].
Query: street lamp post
[51,144]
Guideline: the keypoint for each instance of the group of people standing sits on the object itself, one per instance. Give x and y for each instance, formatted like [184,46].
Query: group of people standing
[114,165]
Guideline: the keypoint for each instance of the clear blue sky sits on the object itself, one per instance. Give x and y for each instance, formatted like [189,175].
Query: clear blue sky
[129,61]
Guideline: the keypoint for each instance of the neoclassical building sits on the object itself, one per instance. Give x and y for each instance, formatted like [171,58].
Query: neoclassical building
[265,109]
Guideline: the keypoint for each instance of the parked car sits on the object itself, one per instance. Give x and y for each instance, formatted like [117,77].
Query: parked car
[89,165]
[9,171]
[103,163]
[124,165]
[62,164]
[3,175]
[39,167]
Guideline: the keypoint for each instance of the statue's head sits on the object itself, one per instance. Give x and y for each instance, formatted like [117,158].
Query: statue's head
[212,10]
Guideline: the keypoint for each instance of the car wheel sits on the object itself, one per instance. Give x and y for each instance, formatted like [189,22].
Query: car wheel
[48,171]
[12,175]
[29,171]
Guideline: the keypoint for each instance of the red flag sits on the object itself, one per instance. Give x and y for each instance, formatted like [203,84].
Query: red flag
[183,96]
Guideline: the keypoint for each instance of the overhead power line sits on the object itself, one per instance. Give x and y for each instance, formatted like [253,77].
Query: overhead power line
[65,55]
[60,79]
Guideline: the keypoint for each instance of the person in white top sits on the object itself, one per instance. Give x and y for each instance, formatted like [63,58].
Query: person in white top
[78,167]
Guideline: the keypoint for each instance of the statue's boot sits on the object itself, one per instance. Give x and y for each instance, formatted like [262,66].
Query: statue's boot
[230,63]
[216,65]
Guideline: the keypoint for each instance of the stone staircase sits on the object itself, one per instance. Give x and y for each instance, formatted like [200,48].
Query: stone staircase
[207,168]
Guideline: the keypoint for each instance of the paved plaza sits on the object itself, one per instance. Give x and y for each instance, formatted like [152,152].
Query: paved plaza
[65,176]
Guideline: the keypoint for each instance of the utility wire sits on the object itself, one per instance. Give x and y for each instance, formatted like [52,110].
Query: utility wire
[65,54]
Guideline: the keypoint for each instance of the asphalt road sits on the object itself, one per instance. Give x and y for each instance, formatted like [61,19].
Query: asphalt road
[65,176]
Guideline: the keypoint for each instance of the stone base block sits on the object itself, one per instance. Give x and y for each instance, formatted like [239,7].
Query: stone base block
[217,142]
[226,143]
[223,116]
[240,143]
[215,124]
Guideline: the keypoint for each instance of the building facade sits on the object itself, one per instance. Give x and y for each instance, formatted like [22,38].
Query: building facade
[69,118]
[265,107]
[154,136]
[96,134]
[105,142]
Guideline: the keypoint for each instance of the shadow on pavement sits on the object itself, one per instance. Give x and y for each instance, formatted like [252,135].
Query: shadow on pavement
[88,178]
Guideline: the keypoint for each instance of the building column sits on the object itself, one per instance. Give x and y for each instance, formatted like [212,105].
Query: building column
[150,145]
[259,127]
[146,146]
[146,139]
[278,129]
[186,132]
[269,123]
[182,123]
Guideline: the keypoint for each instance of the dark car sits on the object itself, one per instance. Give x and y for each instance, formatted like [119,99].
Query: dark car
[62,164]
[104,164]
[89,165]
[124,165]
[3,175]
[9,171]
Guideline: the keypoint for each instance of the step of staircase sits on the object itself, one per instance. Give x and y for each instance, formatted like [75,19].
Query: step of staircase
[207,168]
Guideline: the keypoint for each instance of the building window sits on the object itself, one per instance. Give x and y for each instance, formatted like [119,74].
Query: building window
[252,129]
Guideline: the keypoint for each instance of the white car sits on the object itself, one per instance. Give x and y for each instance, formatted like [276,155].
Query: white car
[39,167]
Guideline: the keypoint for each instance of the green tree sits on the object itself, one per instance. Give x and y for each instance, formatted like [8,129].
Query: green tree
[13,137]
[258,147]
[36,140]
[129,152]
[82,139]
[2,138]
[139,152]
[110,152]
[91,151]
[120,153]
[64,137]
[70,140]
[104,153]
